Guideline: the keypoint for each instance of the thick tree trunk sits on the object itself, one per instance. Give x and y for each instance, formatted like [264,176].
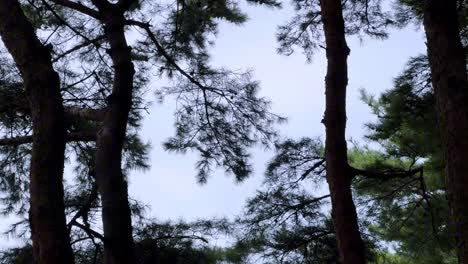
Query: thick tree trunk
[350,244]
[449,79]
[116,215]
[51,243]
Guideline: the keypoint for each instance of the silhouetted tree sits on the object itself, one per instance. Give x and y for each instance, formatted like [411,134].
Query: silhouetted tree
[338,18]
[220,114]
[33,59]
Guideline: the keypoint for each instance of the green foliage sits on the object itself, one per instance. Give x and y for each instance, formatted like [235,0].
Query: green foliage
[408,11]
[411,11]
[407,116]
[388,258]
[14,120]
[412,211]
[177,243]
[38,15]
[220,120]
[191,25]
[286,221]
[221,114]
[406,209]
[299,160]
[362,17]
[20,255]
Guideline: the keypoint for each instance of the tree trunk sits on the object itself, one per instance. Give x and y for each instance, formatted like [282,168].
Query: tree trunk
[116,215]
[51,243]
[449,79]
[350,244]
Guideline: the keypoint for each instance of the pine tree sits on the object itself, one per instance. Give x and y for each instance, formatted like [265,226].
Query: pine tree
[411,210]
[447,59]
[285,222]
[325,24]
[51,243]
[445,26]
[220,114]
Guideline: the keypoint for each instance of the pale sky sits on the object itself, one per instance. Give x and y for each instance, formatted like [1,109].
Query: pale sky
[296,89]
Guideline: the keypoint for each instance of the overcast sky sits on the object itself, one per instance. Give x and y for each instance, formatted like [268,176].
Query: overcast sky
[296,89]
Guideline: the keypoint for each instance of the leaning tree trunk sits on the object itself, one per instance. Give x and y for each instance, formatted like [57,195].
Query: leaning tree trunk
[449,79]
[116,215]
[51,244]
[350,244]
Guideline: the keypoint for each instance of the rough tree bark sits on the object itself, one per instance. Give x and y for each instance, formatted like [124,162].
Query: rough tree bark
[339,176]
[116,215]
[51,244]
[449,79]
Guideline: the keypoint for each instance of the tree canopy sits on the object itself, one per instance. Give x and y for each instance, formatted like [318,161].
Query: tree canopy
[77,80]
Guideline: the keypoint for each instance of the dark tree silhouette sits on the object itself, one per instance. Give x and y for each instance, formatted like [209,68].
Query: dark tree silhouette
[51,243]
[220,114]
[447,59]
[339,176]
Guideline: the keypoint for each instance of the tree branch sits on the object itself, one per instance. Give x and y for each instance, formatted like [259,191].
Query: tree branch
[71,112]
[90,114]
[384,175]
[94,41]
[71,137]
[124,5]
[203,88]
[310,170]
[86,207]
[88,230]
[78,7]
[102,4]
[182,237]
[167,57]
